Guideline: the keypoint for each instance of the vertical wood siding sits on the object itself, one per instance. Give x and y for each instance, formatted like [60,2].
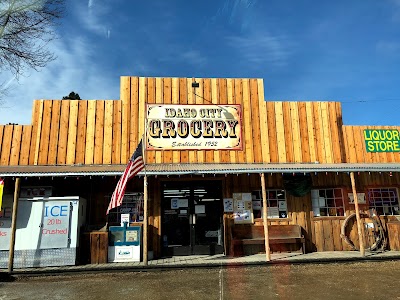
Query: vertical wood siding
[271,131]
[108,131]
[355,149]
[65,132]
[322,233]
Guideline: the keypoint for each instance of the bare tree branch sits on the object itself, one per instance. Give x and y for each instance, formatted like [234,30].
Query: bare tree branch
[26,28]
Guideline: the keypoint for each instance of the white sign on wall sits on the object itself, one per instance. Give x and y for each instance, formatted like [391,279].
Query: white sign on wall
[178,127]
[242,208]
[228,205]
[55,225]
[5,224]
[360,198]
[125,218]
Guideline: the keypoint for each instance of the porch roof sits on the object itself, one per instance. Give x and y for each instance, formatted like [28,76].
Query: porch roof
[194,169]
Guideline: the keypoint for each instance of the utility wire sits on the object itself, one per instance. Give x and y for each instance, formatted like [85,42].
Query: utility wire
[371,100]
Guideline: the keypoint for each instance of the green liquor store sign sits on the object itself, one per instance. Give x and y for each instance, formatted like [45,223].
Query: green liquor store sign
[382,140]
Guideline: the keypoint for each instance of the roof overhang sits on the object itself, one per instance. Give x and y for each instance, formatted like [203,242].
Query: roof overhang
[194,169]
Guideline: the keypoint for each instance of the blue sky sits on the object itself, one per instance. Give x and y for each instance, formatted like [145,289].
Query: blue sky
[347,51]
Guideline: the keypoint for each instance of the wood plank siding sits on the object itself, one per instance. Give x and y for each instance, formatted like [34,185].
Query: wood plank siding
[107,131]
[71,132]
[322,233]
[355,147]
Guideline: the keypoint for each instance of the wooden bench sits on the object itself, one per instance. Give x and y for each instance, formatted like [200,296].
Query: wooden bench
[246,234]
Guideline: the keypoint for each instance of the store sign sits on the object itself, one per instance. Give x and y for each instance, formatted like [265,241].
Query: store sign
[5,227]
[180,127]
[382,140]
[123,252]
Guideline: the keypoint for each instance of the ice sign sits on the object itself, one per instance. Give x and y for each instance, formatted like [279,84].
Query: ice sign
[55,225]
[5,228]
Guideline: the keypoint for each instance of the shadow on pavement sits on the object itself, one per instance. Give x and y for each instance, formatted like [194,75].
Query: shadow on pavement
[5,277]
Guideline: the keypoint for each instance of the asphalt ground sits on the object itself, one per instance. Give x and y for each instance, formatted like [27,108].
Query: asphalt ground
[344,280]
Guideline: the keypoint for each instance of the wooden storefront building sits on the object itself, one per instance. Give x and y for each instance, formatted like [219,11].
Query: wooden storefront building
[82,147]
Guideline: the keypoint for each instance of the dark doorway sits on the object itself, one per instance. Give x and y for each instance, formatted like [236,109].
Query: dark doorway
[192,218]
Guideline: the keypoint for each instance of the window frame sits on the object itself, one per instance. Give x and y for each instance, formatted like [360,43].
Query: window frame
[391,207]
[132,204]
[257,196]
[333,198]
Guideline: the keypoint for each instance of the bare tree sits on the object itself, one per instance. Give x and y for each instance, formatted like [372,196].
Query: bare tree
[26,28]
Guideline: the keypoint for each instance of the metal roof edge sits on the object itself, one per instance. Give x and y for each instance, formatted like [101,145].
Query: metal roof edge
[194,169]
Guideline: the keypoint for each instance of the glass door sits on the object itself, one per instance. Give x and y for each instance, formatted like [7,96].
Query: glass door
[207,218]
[192,218]
[176,220]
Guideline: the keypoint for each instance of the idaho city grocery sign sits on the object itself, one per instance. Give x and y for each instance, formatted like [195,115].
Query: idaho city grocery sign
[193,127]
[382,140]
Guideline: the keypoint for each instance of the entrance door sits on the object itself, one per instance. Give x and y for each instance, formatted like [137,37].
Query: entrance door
[192,218]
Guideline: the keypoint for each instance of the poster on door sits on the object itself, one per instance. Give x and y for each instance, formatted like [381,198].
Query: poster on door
[55,225]
[242,208]
[5,224]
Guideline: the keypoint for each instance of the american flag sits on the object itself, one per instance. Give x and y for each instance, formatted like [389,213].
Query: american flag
[135,165]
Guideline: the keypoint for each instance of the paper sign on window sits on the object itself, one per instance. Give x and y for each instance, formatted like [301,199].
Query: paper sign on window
[228,205]
[243,208]
[360,198]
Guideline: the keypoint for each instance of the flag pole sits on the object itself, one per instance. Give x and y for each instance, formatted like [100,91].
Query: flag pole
[145,196]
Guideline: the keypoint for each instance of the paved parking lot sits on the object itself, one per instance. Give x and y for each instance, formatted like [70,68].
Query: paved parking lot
[344,280]
[218,260]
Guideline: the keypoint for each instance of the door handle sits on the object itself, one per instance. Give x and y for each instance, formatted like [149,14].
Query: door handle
[194,219]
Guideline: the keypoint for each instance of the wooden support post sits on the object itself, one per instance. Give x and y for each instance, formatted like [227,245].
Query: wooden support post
[265,218]
[13,226]
[145,221]
[359,225]
[145,196]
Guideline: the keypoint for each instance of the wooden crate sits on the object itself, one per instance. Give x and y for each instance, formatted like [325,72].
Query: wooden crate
[393,229]
[98,247]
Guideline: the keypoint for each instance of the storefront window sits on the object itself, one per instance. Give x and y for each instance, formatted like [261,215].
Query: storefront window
[384,200]
[327,202]
[276,203]
[132,205]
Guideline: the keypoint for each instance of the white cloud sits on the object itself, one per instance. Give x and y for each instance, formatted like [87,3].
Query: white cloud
[251,41]
[388,47]
[73,70]
[178,54]
[396,2]
[94,17]
[193,57]
[236,11]
[396,10]
[261,48]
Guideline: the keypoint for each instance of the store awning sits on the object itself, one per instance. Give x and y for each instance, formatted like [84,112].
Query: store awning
[193,169]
